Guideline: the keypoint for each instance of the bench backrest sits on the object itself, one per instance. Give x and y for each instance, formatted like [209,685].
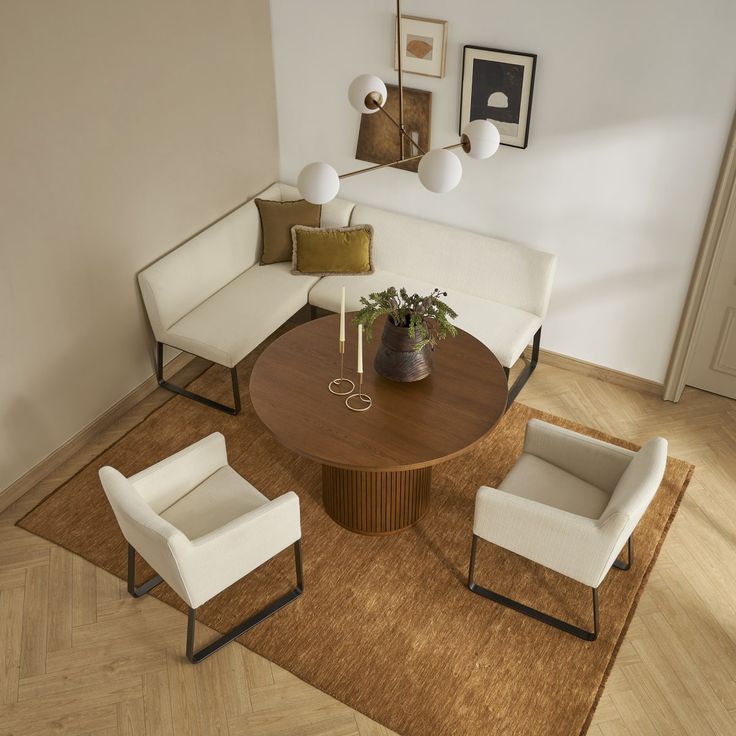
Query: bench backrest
[457,259]
[184,278]
[484,267]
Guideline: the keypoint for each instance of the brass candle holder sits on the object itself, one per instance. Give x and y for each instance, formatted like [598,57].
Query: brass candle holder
[336,384]
[359,396]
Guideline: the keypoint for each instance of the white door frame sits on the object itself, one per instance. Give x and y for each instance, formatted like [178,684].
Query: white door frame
[701,284]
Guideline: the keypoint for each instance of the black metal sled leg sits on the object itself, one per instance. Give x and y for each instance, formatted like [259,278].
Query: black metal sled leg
[249,623]
[528,370]
[630,550]
[545,618]
[189,394]
[147,586]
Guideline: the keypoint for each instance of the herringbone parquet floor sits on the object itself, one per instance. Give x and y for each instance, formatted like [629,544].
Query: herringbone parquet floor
[78,656]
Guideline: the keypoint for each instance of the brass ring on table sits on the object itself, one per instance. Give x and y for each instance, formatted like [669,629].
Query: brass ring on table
[335,383]
[364,398]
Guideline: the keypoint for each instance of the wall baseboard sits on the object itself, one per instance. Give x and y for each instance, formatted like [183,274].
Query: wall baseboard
[609,375]
[51,462]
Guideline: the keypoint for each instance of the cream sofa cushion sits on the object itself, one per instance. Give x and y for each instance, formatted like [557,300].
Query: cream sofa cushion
[184,278]
[191,273]
[504,330]
[217,500]
[460,260]
[237,318]
[545,483]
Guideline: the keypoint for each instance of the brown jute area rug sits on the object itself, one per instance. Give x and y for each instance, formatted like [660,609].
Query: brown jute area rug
[386,624]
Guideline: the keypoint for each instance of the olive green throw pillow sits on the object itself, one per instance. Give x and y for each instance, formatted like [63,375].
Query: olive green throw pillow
[327,251]
[277,219]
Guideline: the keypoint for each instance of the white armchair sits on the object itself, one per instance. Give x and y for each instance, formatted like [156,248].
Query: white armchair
[202,527]
[570,503]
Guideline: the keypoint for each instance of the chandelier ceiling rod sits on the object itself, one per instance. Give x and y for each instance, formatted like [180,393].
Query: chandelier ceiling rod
[402,131]
[439,170]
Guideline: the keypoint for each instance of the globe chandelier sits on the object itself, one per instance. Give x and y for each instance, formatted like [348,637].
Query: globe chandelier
[440,169]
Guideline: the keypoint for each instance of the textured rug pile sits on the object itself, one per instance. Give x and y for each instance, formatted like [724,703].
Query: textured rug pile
[386,624]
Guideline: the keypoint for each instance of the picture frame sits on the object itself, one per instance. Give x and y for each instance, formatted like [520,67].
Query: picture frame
[423,45]
[378,138]
[497,86]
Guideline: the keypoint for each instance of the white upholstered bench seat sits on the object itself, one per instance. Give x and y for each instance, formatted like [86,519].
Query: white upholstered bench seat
[234,320]
[504,330]
[210,297]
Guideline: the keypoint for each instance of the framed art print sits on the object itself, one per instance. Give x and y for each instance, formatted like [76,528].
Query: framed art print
[497,86]
[423,46]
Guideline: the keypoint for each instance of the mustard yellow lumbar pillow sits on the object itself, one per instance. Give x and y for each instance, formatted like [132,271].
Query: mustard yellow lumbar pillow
[326,251]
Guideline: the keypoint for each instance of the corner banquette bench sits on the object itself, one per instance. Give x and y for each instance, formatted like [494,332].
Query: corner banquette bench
[211,297]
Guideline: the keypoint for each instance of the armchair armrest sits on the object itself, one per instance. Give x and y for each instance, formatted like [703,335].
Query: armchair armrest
[216,560]
[567,543]
[594,461]
[167,481]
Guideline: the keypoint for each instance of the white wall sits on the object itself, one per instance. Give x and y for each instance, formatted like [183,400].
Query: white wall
[631,109]
[125,128]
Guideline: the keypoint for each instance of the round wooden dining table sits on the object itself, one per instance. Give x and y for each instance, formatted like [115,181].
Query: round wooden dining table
[376,464]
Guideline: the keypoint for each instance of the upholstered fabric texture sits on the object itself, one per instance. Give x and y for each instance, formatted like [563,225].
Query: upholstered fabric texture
[197,294]
[504,330]
[386,624]
[277,219]
[329,251]
[474,264]
[197,523]
[570,502]
[222,328]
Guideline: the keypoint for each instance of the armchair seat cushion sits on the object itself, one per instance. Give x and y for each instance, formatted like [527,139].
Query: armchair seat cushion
[219,499]
[543,482]
[234,320]
[504,330]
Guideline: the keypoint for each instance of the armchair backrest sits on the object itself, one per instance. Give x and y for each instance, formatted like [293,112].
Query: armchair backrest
[638,484]
[155,539]
[164,483]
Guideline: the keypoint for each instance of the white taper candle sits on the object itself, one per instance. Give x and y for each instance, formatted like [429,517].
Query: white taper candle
[360,348]
[342,316]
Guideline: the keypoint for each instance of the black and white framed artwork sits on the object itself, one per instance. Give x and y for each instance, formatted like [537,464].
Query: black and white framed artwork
[497,86]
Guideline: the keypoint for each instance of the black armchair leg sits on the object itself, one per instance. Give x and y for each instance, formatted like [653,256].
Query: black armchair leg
[189,394]
[533,612]
[249,623]
[630,556]
[523,377]
[148,586]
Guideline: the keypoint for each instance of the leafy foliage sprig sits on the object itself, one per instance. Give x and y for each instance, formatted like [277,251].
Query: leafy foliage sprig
[426,316]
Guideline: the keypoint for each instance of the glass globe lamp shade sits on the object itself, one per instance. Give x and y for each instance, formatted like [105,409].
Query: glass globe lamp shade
[318,183]
[367,88]
[481,139]
[440,171]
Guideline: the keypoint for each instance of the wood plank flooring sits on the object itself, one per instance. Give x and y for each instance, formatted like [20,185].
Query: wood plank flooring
[78,656]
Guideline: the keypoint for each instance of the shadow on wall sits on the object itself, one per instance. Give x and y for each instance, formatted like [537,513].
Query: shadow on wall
[22,426]
[611,286]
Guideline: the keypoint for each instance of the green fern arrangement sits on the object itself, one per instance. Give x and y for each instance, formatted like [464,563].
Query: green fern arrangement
[427,317]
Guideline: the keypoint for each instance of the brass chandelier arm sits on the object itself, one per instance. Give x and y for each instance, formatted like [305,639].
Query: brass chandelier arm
[462,143]
[377,166]
[403,133]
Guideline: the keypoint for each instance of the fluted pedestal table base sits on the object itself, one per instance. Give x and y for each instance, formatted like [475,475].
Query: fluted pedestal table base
[380,502]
